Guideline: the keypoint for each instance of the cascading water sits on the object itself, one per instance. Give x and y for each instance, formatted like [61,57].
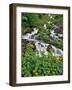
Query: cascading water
[41,46]
[53,35]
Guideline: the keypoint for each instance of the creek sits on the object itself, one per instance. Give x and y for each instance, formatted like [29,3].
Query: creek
[40,45]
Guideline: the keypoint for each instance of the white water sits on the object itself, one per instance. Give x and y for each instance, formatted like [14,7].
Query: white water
[54,36]
[41,47]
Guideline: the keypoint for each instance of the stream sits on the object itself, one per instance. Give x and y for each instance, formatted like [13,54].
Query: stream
[41,46]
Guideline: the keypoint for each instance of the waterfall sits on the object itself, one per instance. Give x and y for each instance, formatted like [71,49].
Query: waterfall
[53,35]
[57,51]
[41,46]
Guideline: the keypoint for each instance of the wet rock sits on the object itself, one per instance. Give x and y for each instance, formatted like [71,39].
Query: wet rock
[58,29]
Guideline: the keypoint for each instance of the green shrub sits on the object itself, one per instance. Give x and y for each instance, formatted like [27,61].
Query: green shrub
[33,65]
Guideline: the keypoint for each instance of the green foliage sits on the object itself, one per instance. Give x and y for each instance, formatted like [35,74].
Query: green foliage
[43,34]
[33,65]
[57,43]
[30,20]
